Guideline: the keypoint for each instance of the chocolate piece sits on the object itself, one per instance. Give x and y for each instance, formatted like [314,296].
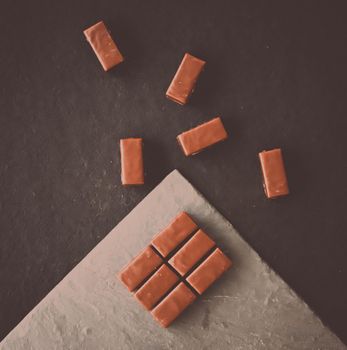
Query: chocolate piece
[179,229]
[139,268]
[274,174]
[192,252]
[132,161]
[183,83]
[103,45]
[160,283]
[202,136]
[209,271]
[173,305]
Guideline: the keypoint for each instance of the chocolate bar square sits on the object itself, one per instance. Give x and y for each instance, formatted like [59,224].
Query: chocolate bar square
[184,81]
[274,174]
[205,135]
[103,45]
[132,161]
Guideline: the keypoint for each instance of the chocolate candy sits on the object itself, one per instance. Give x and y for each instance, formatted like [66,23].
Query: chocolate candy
[274,174]
[140,268]
[160,283]
[191,252]
[132,161]
[185,79]
[178,230]
[160,292]
[173,305]
[209,271]
[205,135]
[104,47]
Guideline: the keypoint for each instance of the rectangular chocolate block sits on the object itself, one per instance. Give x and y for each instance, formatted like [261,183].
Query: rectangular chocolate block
[173,305]
[185,79]
[209,271]
[103,45]
[274,174]
[156,287]
[132,161]
[202,136]
[199,245]
[178,230]
[140,268]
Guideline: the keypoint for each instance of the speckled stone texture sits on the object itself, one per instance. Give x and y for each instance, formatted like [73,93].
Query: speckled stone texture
[250,307]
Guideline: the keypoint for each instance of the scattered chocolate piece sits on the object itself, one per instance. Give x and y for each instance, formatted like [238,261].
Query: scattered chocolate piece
[156,287]
[139,268]
[192,252]
[103,45]
[178,230]
[195,140]
[183,83]
[173,305]
[274,174]
[132,161]
[209,271]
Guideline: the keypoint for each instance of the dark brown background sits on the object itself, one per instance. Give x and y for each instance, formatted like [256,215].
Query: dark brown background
[276,73]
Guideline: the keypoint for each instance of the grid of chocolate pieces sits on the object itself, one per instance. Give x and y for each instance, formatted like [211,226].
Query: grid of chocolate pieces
[181,262]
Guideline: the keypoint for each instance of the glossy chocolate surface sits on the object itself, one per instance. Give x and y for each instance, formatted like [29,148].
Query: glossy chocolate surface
[192,252]
[276,73]
[274,173]
[160,292]
[160,283]
[139,268]
[132,161]
[185,79]
[178,230]
[173,305]
[103,45]
[202,136]
[209,271]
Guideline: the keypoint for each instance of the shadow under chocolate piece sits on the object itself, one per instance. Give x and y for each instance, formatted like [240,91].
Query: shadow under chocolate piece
[103,45]
[184,81]
[140,268]
[205,135]
[209,271]
[274,174]
[132,161]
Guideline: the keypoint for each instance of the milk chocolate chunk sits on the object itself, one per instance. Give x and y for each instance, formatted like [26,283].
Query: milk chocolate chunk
[209,271]
[202,136]
[156,287]
[185,79]
[173,305]
[103,45]
[178,230]
[139,268]
[191,252]
[274,174]
[132,161]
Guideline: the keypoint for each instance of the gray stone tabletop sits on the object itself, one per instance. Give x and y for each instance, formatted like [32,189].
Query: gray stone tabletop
[250,307]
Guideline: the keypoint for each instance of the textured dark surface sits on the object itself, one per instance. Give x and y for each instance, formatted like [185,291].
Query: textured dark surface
[276,73]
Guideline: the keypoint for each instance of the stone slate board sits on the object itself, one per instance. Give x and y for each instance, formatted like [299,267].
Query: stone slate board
[249,308]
